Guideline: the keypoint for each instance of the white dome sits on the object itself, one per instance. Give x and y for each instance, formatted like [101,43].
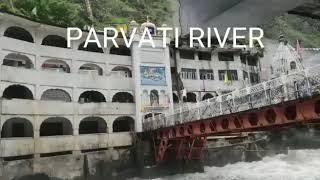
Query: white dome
[148,25]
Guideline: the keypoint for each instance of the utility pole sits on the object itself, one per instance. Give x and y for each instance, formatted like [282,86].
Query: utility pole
[89,10]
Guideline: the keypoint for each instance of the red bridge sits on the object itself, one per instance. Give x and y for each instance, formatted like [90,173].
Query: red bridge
[285,101]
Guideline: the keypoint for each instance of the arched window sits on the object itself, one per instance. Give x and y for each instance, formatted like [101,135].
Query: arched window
[122,71]
[293,65]
[175,98]
[154,98]
[122,97]
[54,40]
[56,126]
[123,124]
[207,96]
[17,60]
[122,50]
[56,65]
[56,95]
[18,33]
[17,92]
[92,125]
[17,127]
[91,97]
[91,47]
[91,69]
[191,97]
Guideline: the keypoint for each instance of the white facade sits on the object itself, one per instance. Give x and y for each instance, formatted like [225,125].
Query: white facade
[58,99]
[206,74]
[71,91]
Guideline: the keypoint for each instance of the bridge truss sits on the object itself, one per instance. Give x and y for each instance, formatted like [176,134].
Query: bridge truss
[283,101]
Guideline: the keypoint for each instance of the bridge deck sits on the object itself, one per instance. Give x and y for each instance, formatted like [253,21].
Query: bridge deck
[287,100]
[297,85]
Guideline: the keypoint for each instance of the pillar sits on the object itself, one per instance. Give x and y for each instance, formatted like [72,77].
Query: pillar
[109,126]
[36,136]
[196,56]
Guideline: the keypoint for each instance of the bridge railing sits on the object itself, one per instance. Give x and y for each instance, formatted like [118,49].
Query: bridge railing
[292,86]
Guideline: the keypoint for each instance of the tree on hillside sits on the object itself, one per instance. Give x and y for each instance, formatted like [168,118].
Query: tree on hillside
[89,10]
[100,13]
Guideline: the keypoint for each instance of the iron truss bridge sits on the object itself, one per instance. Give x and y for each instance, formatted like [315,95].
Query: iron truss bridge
[287,100]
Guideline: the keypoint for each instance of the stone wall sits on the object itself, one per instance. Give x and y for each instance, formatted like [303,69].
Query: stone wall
[95,165]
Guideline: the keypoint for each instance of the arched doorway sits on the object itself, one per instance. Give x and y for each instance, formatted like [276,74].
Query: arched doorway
[56,65]
[207,96]
[17,92]
[54,40]
[122,97]
[91,68]
[92,125]
[154,98]
[293,65]
[17,60]
[191,97]
[56,95]
[175,98]
[92,97]
[56,126]
[122,71]
[149,115]
[121,50]
[17,127]
[91,47]
[18,33]
[123,124]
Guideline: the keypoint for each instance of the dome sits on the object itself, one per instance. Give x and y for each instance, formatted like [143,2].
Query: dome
[152,27]
[133,23]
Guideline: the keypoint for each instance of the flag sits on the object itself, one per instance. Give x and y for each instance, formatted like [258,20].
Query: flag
[226,78]
[121,26]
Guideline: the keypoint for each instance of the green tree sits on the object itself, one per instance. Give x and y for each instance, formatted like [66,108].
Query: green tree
[61,12]
[74,12]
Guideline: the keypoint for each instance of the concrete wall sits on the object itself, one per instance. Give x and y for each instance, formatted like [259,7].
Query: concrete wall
[94,165]
[11,147]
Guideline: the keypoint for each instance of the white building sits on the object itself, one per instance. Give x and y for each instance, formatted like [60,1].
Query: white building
[58,100]
[206,73]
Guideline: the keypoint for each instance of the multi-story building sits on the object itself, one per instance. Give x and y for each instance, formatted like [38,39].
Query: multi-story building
[208,72]
[58,100]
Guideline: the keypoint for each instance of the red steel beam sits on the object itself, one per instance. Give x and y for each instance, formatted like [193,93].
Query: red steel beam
[262,119]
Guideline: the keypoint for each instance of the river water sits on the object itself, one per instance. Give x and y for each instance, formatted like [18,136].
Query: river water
[296,165]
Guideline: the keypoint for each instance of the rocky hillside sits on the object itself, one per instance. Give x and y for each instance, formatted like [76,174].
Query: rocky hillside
[294,27]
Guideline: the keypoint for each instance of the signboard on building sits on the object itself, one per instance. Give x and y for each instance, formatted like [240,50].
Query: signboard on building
[153,75]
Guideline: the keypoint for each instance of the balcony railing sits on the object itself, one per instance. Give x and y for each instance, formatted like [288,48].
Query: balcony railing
[296,85]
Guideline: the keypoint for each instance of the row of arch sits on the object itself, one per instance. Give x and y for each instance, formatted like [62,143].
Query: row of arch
[58,41]
[19,60]
[22,92]
[192,97]
[58,126]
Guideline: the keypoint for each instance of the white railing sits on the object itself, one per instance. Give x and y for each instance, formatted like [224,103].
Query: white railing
[292,86]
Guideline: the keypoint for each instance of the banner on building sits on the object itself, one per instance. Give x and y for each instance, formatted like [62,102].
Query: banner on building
[153,75]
